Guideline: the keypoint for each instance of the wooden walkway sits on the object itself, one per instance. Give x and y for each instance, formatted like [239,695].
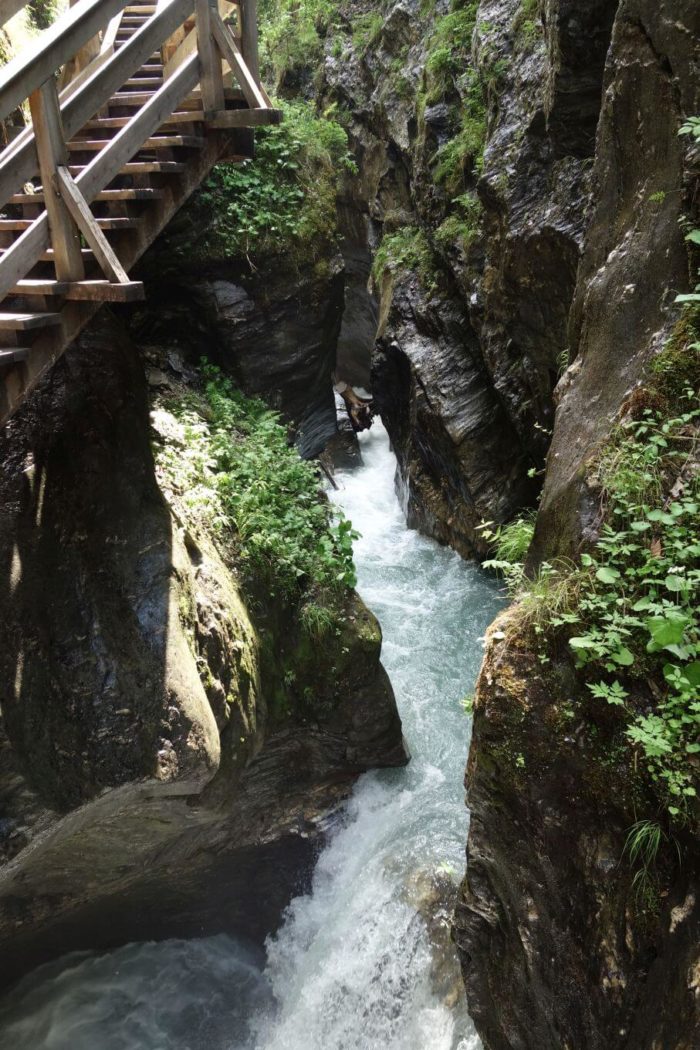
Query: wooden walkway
[131,104]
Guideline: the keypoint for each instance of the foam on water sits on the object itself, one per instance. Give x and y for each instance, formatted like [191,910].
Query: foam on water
[352,966]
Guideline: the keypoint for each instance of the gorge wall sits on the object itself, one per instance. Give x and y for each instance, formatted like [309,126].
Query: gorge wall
[169,750]
[526,195]
[507,251]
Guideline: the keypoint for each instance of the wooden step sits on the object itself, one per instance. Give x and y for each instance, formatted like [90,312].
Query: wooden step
[140,98]
[116,223]
[186,117]
[14,355]
[142,167]
[158,142]
[143,82]
[99,291]
[104,195]
[149,9]
[23,322]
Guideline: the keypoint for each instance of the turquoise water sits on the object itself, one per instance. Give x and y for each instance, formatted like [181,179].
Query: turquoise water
[354,965]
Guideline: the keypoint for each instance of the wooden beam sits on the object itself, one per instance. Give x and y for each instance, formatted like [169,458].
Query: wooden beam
[18,163]
[244,118]
[229,49]
[54,47]
[82,291]
[249,36]
[87,224]
[211,81]
[52,151]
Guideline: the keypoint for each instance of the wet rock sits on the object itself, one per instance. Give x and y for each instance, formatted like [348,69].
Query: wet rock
[151,782]
[557,947]
[458,458]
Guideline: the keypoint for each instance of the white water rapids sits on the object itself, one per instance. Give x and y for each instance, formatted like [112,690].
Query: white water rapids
[352,967]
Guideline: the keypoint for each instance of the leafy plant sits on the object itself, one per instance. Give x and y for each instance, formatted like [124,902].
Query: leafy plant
[284,200]
[691,127]
[406,249]
[237,472]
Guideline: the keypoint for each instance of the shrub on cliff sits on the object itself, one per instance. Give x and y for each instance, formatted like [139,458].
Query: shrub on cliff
[628,612]
[282,202]
[232,466]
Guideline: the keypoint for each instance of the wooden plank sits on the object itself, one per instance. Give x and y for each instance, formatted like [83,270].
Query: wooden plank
[85,221]
[244,118]
[229,49]
[110,35]
[23,322]
[211,80]
[116,222]
[187,117]
[19,163]
[51,148]
[83,291]
[14,356]
[145,194]
[157,142]
[55,46]
[249,37]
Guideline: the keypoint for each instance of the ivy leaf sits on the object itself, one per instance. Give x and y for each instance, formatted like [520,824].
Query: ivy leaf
[675,583]
[693,236]
[623,656]
[667,630]
[607,575]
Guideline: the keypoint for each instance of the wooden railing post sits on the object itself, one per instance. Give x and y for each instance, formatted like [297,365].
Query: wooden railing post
[52,152]
[249,36]
[212,82]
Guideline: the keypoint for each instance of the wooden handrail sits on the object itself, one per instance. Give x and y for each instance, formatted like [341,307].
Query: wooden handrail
[55,46]
[19,162]
[27,249]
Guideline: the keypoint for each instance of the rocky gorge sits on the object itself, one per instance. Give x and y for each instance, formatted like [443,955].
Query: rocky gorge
[499,225]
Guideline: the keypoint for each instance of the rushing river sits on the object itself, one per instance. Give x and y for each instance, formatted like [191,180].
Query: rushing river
[353,966]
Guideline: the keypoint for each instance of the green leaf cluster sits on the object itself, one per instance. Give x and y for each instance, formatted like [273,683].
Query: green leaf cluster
[691,127]
[284,200]
[239,474]
[637,612]
[406,249]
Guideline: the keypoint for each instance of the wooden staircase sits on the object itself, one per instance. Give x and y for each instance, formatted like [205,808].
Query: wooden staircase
[131,104]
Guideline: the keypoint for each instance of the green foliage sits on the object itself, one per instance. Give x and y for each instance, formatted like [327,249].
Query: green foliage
[628,612]
[644,840]
[463,155]
[462,226]
[284,200]
[366,30]
[44,13]
[408,250]
[238,473]
[291,34]
[691,127]
[449,49]
[511,541]
[637,611]
[526,24]
[316,620]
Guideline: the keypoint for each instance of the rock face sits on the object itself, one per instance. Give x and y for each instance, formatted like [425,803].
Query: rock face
[150,781]
[276,334]
[449,430]
[549,909]
[557,947]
